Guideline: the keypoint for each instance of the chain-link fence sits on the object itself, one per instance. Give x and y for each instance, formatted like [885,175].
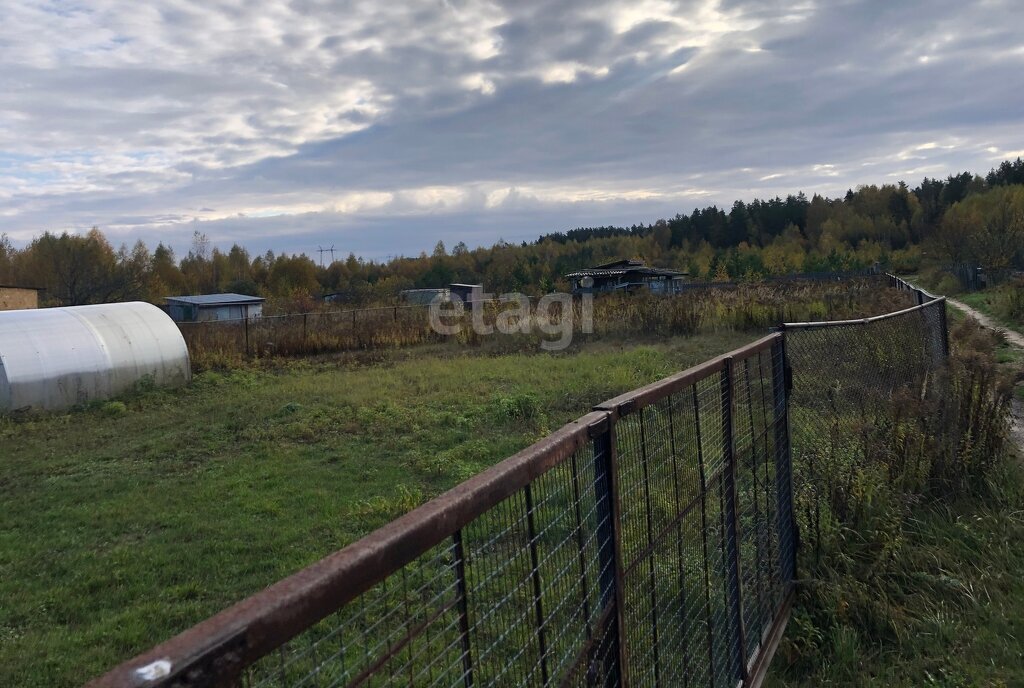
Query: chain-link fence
[648,543]
[847,379]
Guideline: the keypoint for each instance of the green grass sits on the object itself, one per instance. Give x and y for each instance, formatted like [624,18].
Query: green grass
[961,594]
[129,521]
[988,303]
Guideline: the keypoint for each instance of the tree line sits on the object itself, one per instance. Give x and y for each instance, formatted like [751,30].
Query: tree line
[963,219]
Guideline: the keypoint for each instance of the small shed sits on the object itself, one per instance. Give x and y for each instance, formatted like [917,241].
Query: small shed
[213,307]
[14,298]
[624,275]
[54,358]
[468,293]
[423,297]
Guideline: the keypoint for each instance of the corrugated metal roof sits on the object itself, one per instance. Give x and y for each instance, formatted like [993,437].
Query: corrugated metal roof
[216,299]
[616,272]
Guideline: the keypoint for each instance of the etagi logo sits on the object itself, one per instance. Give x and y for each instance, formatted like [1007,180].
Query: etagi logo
[553,316]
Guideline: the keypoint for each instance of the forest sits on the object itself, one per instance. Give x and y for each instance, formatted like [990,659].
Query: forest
[965,219]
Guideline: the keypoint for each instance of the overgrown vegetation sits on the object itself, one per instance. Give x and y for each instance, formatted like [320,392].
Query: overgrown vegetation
[909,572]
[745,307]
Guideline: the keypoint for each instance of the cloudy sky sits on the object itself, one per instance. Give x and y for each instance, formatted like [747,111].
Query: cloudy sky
[381,127]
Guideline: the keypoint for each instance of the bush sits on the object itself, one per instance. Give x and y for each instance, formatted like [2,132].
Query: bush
[1009,302]
[948,284]
[114,409]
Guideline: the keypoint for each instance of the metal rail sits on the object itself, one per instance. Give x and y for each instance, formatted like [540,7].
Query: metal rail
[551,567]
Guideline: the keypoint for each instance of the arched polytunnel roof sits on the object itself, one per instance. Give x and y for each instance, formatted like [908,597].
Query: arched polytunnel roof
[54,358]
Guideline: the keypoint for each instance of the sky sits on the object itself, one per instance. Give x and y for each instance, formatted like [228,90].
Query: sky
[380,128]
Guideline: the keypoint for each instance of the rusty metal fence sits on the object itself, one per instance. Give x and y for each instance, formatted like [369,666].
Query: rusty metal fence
[651,542]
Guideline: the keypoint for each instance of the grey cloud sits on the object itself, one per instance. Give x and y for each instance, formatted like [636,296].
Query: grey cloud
[244,114]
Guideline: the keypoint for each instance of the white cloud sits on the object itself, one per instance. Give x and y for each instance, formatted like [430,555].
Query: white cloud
[137,116]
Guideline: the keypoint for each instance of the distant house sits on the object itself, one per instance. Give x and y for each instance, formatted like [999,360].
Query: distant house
[213,307]
[13,298]
[629,275]
[468,293]
[423,297]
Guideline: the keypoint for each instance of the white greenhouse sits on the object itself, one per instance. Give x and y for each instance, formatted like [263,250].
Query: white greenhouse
[54,358]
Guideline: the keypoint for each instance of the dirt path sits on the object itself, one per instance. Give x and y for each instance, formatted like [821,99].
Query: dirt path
[1014,338]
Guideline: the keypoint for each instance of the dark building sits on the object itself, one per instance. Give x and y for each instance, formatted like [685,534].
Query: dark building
[212,307]
[467,292]
[629,275]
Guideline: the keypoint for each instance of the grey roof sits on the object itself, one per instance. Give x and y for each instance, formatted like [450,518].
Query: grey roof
[622,263]
[216,299]
[615,272]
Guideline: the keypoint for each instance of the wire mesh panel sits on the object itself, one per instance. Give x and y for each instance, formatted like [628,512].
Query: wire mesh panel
[703,535]
[644,545]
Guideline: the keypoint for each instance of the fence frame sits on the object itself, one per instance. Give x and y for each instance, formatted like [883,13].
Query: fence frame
[216,651]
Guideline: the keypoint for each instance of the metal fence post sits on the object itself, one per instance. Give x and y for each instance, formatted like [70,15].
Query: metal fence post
[730,511]
[609,546]
[462,588]
[247,352]
[538,586]
[782,384]
[944,325]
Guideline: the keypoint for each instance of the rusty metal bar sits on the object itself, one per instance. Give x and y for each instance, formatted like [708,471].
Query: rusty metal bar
[589,652]
[263,622]
[627,403]
[759,670]
[216,651]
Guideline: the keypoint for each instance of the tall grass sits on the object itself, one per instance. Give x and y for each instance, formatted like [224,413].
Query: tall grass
[747,307]
[936,442]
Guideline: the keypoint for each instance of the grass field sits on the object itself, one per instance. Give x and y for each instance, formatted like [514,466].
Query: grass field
[127,522]
[961,597]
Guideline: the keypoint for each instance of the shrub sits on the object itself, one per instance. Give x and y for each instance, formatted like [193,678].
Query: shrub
[1009,302]
[948,284]
[114,409]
